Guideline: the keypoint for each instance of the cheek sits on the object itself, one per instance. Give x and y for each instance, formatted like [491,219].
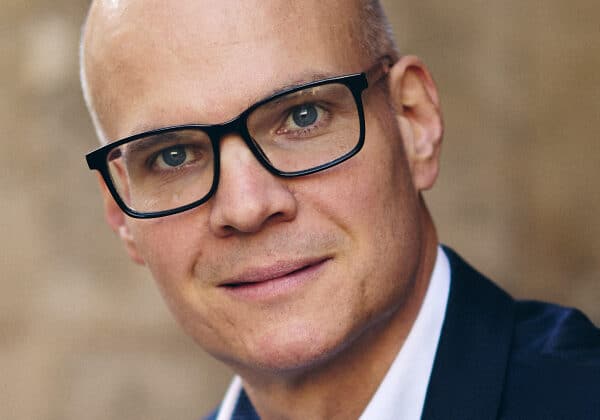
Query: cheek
[376,205]
[371,196]
[169,246]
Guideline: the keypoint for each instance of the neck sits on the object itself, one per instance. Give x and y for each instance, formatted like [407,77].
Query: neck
[358,370]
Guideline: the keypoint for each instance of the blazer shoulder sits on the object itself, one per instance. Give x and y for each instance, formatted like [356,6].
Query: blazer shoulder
[545,358]
[555,334]
[554,367]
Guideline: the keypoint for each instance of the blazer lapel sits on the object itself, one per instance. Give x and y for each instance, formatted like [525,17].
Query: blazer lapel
[469,368]
[244,409]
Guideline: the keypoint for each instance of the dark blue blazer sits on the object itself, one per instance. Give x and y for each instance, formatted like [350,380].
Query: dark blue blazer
[504,359]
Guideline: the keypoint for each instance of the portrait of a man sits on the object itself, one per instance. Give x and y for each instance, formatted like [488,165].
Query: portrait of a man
[266,161]
[267,164]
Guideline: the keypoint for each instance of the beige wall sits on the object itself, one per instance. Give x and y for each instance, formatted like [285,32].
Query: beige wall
[84,334]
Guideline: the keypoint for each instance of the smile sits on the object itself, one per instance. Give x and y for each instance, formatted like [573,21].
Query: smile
[274,281]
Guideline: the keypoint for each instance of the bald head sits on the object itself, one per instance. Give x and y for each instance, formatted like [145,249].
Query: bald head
[174,34]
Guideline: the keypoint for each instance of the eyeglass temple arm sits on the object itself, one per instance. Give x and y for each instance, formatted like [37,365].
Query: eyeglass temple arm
[379,70]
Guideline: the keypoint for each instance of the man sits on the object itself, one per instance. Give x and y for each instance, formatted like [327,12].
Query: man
[265,160]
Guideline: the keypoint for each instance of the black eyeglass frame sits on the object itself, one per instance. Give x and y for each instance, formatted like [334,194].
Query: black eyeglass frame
[356,83]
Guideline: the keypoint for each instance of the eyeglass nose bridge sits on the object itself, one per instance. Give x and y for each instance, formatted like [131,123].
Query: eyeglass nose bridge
[238,126]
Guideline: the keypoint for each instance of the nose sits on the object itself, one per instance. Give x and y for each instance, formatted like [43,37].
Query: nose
[248,196]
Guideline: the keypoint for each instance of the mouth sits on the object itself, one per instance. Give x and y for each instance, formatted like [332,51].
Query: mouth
[275,280]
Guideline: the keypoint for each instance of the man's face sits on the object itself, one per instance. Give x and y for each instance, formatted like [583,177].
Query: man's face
[343,244]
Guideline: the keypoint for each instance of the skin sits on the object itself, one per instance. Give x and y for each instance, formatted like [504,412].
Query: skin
[151,64]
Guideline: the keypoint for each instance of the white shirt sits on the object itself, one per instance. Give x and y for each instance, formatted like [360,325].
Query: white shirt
[401,394]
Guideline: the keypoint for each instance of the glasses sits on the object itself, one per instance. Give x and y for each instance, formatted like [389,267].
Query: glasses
[296,132]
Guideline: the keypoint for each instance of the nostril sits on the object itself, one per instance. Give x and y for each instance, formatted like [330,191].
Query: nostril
[228,230]
[276,216]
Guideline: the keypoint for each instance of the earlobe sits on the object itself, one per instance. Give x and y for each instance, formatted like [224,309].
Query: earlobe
[117,221]
[416,101]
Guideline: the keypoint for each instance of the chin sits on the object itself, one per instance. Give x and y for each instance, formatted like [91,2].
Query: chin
[293,351]
[294,358]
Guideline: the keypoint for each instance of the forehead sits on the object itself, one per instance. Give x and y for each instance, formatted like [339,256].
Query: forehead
[157,63]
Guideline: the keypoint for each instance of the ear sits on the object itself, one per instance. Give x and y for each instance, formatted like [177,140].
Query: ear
[417,108]
[117,221]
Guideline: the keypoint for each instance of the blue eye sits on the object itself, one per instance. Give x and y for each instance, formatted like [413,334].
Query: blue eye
[305,115]
[174,156]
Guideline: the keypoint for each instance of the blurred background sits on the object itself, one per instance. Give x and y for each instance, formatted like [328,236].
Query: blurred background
[84,333]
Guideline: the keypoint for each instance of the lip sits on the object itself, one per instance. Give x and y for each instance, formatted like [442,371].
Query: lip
[275,280]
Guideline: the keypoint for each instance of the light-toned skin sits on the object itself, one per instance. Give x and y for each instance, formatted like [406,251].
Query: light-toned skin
[303,352]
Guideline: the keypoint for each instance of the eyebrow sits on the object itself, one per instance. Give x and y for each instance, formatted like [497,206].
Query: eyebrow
[309,77]
[306,77]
